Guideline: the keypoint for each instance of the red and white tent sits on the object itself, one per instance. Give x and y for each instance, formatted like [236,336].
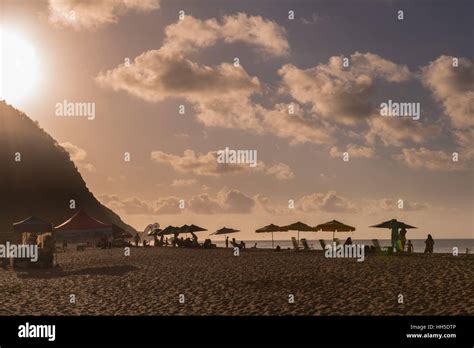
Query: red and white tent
[82,228]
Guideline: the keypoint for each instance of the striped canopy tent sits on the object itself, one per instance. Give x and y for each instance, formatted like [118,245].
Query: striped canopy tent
[82,227]
[298,226]
[120,233]
[270,229]
[334,226]
[32,225]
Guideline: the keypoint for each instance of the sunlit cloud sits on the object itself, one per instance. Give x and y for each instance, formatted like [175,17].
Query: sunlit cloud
[89,15]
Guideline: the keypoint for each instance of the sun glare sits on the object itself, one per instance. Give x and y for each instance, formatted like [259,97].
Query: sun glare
[19,71]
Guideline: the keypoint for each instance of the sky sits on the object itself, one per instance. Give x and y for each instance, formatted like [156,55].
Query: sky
[324,149]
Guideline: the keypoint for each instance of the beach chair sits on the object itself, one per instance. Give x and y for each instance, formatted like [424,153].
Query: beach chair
[305,244]
[378,248]
[323,244]
[295,243]
[337,241]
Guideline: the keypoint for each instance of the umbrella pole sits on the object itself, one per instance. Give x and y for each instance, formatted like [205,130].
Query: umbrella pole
[298,237]
[333,235]
[272,240]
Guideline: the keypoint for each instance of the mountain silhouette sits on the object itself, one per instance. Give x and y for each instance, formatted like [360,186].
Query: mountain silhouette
[45,179]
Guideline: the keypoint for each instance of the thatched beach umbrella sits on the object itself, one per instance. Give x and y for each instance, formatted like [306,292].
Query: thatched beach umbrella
[334,226]
[191,229]
[169,230]
[298,226]
[270,228]
[224,231]
[393,223]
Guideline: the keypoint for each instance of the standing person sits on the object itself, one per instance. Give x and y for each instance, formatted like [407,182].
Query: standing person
[394,236]
[429,244]
[137,239]
[409,247]
[226,241]
[402,237]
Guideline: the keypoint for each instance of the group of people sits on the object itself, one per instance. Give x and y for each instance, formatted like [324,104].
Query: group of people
[399,241]
[176,241]
[234,243]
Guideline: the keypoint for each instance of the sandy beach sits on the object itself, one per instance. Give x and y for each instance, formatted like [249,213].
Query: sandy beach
[258,282]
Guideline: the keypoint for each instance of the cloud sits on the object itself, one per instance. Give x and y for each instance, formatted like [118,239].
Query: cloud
[330,201]
[192,34]
[396,131]
[190,162]
[314,19]
[183,182]
[353,151]
[227,201]
[333,202]
[154,77]
[281,171]
[341,94]
[430,159]
[78,156]
[295,127]
[453,87]
[221,95]
[90,15]
[167,205]
[163,73]
[264,203]
[131,205]
[207,165]
[75,152]
[465,139]
[137,206]
[389,204]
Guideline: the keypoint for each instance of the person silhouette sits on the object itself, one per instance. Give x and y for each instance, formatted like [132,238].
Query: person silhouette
[394,235]
[409,247]
[429,244]
[137,239]
[402,237]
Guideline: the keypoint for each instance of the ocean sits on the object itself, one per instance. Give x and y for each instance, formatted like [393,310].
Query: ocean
[440,246]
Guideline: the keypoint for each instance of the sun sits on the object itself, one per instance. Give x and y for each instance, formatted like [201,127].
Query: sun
[19,71]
